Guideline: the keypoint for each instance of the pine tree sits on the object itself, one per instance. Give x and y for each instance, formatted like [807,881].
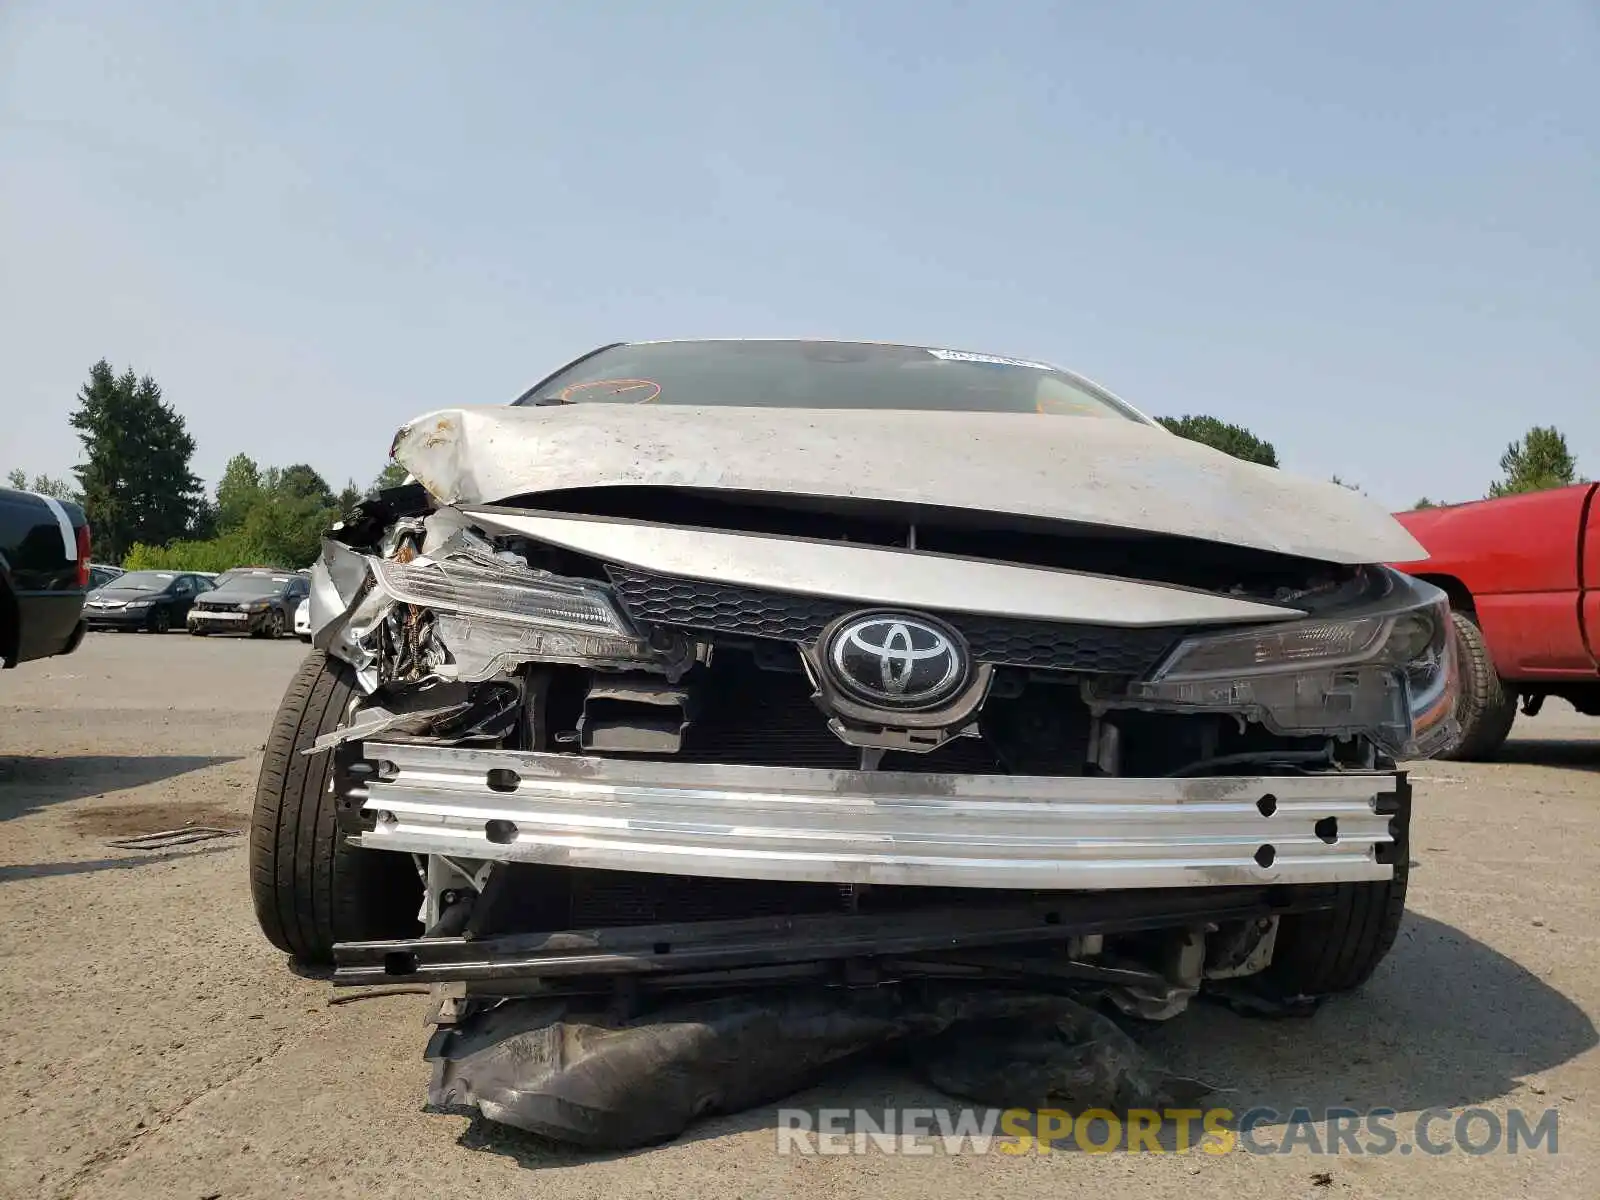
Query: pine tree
[1219,435]
[44,485]
[1537,461]
[349,496]
[137,485]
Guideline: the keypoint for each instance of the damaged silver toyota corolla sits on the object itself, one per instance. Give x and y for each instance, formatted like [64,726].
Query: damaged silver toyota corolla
[724,663]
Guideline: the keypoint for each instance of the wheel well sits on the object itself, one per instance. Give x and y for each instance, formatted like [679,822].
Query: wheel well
[1460,596]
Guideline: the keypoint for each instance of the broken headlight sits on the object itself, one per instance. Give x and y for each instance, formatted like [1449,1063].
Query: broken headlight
[492,611]
[467,611]
[504,592]
[1385,667]
[1287,647]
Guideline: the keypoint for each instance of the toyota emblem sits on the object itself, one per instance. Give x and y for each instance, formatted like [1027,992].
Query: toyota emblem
[895,660]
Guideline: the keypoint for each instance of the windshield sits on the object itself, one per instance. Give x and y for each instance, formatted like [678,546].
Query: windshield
[228,577]
[253,586]
[143,581]
[797,374]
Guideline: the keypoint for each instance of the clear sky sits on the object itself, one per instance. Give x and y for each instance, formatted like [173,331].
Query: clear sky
[1368,231]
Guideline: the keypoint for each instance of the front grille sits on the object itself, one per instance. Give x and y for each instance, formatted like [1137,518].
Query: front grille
[1004,641]
[767,718]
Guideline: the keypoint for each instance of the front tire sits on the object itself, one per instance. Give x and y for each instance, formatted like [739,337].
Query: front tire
[160,621]
[311,888]
[1485,710]
[1336,949]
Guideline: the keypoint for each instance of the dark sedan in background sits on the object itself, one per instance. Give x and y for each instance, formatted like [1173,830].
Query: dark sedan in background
[260,603]
[151,600]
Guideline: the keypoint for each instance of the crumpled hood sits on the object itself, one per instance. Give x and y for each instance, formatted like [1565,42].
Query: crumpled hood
[1119,474]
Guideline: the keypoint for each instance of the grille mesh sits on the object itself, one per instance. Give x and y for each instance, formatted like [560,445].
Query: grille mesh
[752,612]
[763,718]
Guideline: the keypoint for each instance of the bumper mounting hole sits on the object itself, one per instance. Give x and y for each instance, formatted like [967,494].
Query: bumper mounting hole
[501,833]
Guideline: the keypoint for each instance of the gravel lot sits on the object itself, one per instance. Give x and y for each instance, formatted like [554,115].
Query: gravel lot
[151,1040]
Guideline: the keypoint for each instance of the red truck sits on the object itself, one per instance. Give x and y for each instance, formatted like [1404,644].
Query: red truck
[1523,575]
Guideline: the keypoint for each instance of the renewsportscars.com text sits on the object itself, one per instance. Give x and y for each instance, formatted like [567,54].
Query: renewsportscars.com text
[1333,1131]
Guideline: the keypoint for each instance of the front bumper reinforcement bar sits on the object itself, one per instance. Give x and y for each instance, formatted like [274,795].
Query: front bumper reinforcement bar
[872,827]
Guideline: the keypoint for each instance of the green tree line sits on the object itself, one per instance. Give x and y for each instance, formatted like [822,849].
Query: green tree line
[148,509]
[1535,462]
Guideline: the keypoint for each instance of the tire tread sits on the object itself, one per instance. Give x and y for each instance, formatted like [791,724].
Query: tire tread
[1486,709]
[1337,949]
[311,888]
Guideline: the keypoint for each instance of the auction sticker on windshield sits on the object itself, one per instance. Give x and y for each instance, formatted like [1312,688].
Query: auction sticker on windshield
[968,357]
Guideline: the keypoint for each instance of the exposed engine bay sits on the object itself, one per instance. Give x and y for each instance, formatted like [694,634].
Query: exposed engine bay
[470,637]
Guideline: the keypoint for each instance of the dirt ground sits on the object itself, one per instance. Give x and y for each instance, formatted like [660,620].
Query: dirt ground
[151,1041]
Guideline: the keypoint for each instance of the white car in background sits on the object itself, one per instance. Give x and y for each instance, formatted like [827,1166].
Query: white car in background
[302,620]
